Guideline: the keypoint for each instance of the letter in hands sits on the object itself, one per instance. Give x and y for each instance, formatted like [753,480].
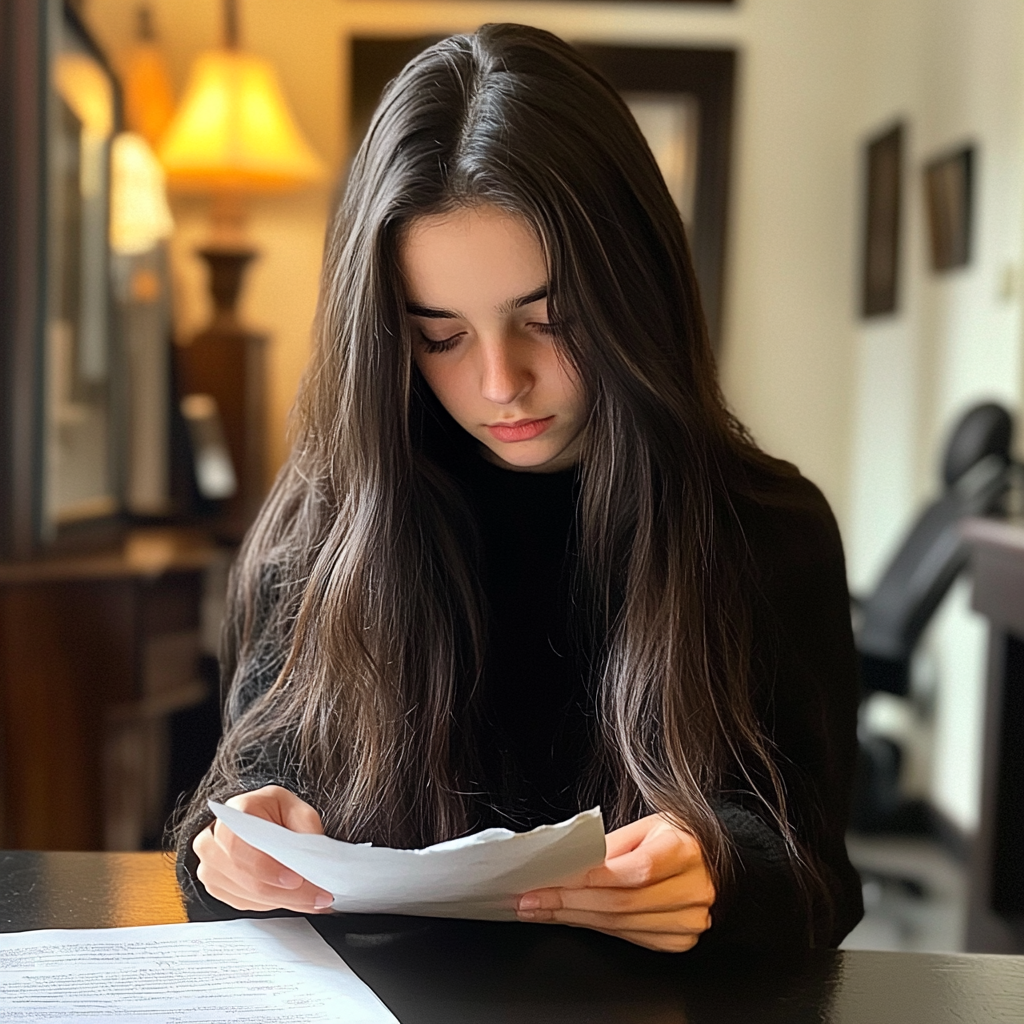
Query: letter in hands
[244,878]
[654,889]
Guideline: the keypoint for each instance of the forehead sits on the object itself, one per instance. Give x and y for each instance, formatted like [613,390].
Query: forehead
[470,256]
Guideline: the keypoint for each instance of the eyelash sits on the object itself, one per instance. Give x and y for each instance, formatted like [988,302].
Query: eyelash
[434,346]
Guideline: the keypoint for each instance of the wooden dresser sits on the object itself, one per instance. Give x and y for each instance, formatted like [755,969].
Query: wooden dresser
[95,652]
[995,918]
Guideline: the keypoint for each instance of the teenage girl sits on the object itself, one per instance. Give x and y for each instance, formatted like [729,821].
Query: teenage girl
[522,559]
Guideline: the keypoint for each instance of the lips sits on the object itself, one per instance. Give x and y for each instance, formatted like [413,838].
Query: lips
[520,430]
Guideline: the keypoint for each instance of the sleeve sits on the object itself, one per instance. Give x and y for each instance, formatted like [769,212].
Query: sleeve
[806,692]
[253,675]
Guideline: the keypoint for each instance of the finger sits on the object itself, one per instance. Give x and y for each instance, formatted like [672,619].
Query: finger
[247,894]
[300,817]
[663,942]
[212,854]
[255,873]
[281,806]
[691,921]
[629,837]
[658,941]
[662,854]
[219,888]
[676,893]
[247,859]
[226,889]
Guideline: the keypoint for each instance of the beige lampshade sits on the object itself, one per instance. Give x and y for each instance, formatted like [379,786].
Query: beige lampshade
[233,130]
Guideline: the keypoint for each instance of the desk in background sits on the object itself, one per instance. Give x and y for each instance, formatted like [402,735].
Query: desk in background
[466,972]
[995,915]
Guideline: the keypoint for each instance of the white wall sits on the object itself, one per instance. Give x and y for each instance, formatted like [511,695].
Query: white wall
[954,70]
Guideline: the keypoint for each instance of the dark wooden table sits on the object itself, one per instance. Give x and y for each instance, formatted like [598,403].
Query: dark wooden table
[450,972]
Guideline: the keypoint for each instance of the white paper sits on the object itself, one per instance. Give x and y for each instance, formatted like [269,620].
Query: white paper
[477,876]
[271,971]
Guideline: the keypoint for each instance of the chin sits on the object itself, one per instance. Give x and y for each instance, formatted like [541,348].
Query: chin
[524,460]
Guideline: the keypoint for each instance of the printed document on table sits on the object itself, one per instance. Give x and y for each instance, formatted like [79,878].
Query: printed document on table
[271,971]
[477,876]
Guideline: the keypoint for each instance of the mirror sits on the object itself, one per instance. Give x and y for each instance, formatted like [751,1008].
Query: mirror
[79,475]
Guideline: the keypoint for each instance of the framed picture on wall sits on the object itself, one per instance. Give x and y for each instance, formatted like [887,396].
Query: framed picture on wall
[948,193]
[60,446]
[883,177]
[682,100]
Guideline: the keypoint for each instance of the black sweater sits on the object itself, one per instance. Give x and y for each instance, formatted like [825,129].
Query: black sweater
[534,730]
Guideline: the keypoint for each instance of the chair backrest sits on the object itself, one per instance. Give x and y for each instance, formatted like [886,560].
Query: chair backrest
[984,430]
[975,470]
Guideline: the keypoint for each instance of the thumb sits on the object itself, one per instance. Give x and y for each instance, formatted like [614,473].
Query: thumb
[299,816]
[281,806]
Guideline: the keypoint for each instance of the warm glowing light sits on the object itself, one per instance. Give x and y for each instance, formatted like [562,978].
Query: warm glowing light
[84,87]
[234,131]
[148,97]
[139,215]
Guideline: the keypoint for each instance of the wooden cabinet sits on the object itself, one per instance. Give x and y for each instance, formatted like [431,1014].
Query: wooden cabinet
[995,917]
[95,652]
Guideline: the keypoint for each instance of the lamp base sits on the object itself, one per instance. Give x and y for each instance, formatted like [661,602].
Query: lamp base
[227,361]
[227,268]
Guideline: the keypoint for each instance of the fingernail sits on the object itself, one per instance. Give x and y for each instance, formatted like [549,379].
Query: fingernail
[289,879]
[324,899]
[529,902]
[535,915]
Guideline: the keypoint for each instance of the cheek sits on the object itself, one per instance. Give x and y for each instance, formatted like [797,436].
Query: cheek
[444,379]
[569,385]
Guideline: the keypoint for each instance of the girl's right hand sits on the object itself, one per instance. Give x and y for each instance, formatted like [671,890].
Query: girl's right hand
[245,878]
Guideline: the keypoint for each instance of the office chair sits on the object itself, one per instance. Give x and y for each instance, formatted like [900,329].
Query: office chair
[976,474]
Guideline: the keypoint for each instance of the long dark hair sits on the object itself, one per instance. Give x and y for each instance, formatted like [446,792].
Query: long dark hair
[356,591]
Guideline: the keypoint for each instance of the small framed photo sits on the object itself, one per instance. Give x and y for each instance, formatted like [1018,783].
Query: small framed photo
[949,194]
[882,205]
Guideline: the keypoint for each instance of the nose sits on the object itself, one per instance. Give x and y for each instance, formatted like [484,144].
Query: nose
[505,374]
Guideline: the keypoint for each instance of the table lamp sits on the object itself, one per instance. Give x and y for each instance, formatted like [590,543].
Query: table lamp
[233,135]
[146,83]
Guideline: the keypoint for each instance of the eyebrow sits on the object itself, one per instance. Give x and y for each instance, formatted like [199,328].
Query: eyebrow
[435,313]
[524,300]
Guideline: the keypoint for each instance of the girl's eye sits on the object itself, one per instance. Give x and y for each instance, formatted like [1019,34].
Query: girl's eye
[545,328]
[435,345]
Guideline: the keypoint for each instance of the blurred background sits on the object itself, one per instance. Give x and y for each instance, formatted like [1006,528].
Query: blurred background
[852,180]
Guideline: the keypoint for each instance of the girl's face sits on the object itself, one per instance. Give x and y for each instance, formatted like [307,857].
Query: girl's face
[476,295]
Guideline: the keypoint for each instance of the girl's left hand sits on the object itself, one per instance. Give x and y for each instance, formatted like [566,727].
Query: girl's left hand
[653,889]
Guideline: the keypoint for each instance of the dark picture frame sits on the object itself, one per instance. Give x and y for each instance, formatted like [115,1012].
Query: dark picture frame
[883,186]
[949,187]
[710,76]
[32,34]
[82,478]
[22,265]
